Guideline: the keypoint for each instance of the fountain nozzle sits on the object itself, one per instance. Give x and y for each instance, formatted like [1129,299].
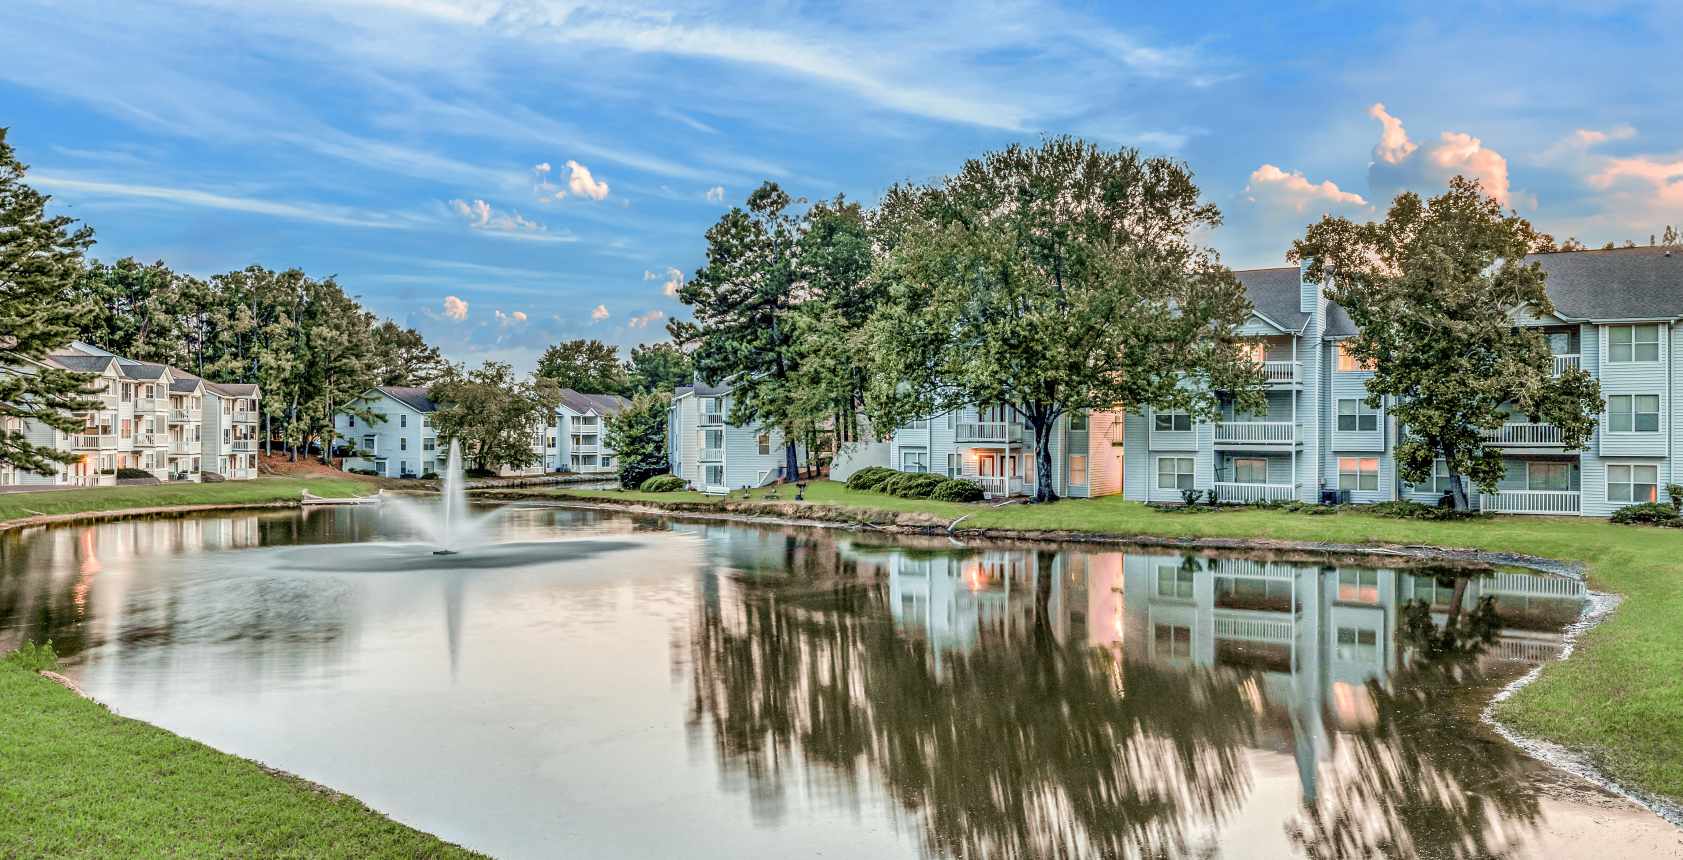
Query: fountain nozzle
[443,552]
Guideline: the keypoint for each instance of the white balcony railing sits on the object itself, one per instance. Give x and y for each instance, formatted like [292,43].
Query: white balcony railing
[997,487]
[591,448]
[94,441]
[988,431]
[1244,494]
[1528,585]
[150,404]
[184,446]
[150,440]
[1525,435]
[712,455]
[713,418]
[243,445]
[245,415]
[1252,626]
[1256,432]
[1530,502]
[184,416]
[1563,363]
[1274,372]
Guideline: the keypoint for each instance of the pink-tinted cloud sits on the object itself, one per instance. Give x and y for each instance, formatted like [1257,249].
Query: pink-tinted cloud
[642,320]
[1272,186]
[599,314]
[1393,147]
[580,182]
[1399,163]
[455,308]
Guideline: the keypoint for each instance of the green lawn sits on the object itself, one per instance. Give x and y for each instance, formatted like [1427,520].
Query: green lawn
[1620,697]
[17,505]
[79,781]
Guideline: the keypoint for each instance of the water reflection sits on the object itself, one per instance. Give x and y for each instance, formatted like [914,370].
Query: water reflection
[1025,703]
[611,685]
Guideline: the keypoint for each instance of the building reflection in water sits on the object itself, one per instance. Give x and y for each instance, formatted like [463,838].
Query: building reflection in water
[1028,703]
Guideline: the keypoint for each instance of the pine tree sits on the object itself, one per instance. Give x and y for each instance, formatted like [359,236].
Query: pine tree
[40,259]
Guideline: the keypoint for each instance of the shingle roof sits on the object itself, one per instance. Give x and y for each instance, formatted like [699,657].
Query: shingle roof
[601,404]
[1275,293]
[80,363]
[183,384]
[233,389]
[1615,284]
[410,396]
[140,369]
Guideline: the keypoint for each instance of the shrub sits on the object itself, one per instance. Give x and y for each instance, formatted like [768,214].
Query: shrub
[957,490]
[1648,514]
[127,473]
[1675,491]
[1190,497]
[912,485]
[1406,510]
[32,657]
[870,478]
[662,484]
[479,472]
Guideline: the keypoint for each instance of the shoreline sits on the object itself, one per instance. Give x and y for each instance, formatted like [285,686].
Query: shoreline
[1597,610]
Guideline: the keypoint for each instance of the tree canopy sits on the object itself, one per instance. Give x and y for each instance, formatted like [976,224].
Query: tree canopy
[585,365]
[495,416]
[659,367]
[637,436]
[1431,289]
[40,257]
[1049,280]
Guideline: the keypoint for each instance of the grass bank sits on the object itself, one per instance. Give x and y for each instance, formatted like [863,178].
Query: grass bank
[79,781]
[15,506]
[1619,699]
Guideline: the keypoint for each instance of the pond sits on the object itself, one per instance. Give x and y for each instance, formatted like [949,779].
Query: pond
[611,685]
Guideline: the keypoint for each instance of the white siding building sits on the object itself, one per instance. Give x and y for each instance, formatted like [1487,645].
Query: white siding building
[400,442]
[713,455]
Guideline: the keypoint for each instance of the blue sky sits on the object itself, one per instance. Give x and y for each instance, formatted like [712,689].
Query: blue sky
[502,174]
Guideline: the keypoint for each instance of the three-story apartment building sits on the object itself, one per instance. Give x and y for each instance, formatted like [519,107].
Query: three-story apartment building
[579,432]
[994,447]
[713,455]
[1616,315]
[400,441]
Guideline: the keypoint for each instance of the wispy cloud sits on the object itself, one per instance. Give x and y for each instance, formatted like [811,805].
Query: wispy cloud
[320,213]
[716,194]
[599,314]
[642,320]
[484,217]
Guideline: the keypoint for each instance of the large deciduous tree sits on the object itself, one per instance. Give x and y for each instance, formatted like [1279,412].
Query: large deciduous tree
[743,300]
[494,415]
[834,261]
[40,258]
[1050,280]
[588,366]
[637,436]
[1431,289]
[403,357]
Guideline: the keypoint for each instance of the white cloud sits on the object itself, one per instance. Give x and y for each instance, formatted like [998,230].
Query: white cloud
[1399,163]
[716,194]
[642,320]
[671,280]
[519,316]
[1649,185]
[455,308]
[599,314]
[1271,185]
[541,167]
[316,212]
[580,182]
[512,225]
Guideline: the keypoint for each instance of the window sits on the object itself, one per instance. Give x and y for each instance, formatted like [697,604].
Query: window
[1550,476]
[425,422]
[1172,422]
[350,420]
[403,420]
[368,442]
[1077,422]
[715,476]
[1354,415]
[403,443]
[1174,473]
[1172,641]
[1349,363]
[1174,581]
[1078,469]
[1358,586]
[1628,343]
[914,460]
[430,444]
[1633,413]
[1358,473]
[919,424]
[1250,470]
[1440,476]
[1357,644]
[1631,484]
[952,465]
[764,442]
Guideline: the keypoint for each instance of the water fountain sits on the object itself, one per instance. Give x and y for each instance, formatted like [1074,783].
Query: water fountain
[452,528]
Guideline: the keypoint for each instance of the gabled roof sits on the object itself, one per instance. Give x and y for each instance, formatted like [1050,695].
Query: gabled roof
[142,370]
[80,363]
[232,389]
[601,404]
[1615,284]
[1275,293]
[184,383]
[410,396]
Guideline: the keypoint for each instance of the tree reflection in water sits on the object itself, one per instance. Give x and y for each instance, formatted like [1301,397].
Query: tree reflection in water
[1024,749]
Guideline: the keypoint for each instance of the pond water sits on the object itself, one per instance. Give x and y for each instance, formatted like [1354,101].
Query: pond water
[610,685]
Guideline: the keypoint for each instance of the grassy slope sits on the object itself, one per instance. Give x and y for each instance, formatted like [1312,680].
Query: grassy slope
[79,781]
[16,505]
[1620,697]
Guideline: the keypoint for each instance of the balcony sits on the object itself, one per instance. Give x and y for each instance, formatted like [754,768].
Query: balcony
[1530,502]
[712,455]
[184,446]
[712,417]
[1256,433]
[150,440]
[1522,435]
[150,404]
[1244,494]
[94,441]
[243,445]
[1282,372]
[588,448]
[184,416]
[245,416]
[988,432]
[997,487]
[1565,362]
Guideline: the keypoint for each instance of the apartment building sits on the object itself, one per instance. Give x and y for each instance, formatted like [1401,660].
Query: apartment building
[399,442]
[713,455]
[994,447]
[151,417]
[1617,315]
[578,441]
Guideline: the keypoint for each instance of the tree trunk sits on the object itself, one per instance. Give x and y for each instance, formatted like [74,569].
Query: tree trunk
[791,465]
[1457,488]
[1043,489]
